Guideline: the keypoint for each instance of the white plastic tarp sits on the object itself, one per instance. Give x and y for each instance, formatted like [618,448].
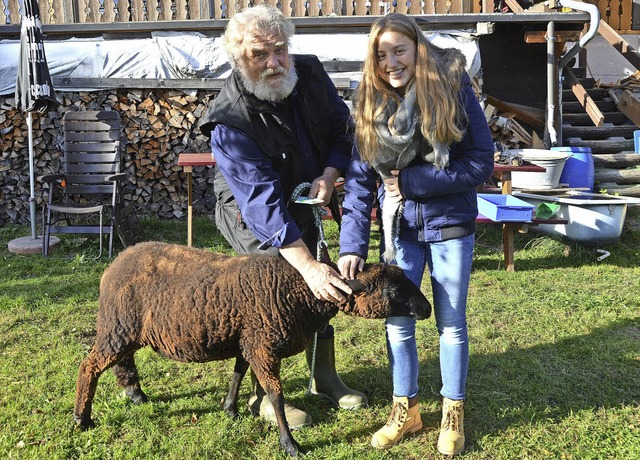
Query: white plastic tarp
[178,55]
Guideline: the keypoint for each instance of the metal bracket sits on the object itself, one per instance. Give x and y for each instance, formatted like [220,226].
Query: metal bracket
[485,28]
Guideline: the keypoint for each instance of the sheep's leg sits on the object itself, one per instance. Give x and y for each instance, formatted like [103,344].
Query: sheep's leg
[268,376]
[230,405]
[88,373]
[127,377]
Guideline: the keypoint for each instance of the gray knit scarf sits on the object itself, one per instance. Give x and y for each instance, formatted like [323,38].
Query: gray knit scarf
[398,146]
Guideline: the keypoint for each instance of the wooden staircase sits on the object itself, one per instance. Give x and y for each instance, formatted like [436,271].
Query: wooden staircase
[614,135]
[604,119]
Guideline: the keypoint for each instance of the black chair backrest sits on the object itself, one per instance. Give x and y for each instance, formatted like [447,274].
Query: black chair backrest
[91,151]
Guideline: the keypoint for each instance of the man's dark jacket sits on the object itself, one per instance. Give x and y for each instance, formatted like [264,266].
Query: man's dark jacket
[328,125]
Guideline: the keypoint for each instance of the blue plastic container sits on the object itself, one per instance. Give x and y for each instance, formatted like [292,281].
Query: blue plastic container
[504,208]
[578,171]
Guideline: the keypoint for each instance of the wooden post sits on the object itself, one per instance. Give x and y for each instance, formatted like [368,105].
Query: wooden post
[189,170]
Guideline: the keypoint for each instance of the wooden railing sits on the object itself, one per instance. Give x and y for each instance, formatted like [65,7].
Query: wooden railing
[616,13]
[92,11]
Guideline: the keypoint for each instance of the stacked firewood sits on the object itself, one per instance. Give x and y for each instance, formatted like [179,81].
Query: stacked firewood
[157,125]
[506,130]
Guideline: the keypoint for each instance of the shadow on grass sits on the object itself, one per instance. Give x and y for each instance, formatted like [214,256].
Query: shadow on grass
[536,251]
[516,388]
[552,381]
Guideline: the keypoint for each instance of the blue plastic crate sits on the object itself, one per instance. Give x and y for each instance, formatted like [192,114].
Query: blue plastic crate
[504,208]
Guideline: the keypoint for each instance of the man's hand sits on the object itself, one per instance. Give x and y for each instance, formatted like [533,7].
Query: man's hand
[350,265]
[322,187]
[324,281]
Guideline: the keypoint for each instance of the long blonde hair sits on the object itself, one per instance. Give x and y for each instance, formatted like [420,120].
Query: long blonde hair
[437,96]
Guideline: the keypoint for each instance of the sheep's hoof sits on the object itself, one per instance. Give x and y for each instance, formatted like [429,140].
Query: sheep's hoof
[84,423]
[232,412]
[136,395]
[292,448]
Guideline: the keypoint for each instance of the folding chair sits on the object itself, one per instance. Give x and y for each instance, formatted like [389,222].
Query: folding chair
[88,186]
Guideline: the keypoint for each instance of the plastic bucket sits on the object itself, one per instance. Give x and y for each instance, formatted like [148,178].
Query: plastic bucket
[578,171]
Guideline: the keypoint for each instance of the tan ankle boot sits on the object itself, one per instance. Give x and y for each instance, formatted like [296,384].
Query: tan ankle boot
[451,438]
[403,419]
[260,405]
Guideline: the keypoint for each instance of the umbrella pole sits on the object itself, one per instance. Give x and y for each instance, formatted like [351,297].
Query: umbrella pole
[32,196]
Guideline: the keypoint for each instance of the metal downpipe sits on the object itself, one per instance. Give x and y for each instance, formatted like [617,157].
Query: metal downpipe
[552,86]
[554,95]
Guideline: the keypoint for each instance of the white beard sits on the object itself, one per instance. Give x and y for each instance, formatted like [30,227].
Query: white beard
[264,91]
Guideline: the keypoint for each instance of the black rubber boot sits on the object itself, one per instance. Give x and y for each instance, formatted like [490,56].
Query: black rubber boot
[325,380]
[260,405]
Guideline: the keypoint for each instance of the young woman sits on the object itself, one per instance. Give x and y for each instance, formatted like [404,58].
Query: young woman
[421,134]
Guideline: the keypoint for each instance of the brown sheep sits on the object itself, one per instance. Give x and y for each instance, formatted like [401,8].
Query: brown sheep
[192,305]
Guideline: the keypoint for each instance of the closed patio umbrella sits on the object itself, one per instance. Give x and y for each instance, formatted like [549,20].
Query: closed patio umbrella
[34,88]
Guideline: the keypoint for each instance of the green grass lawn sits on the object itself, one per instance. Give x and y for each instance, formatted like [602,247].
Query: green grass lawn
[554,373]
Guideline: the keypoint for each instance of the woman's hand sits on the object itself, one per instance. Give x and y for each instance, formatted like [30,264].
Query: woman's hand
[350,265]
[392,185]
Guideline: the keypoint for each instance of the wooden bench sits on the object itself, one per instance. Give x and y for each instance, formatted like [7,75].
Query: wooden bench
[508,230]
[503,174]
[188,161]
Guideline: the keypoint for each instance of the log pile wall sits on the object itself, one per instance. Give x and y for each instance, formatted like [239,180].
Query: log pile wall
[157,125]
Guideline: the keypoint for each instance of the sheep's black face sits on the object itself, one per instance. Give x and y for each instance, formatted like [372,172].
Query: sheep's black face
[383,290]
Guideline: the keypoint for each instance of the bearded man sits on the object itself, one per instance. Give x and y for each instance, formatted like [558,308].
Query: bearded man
[279,122]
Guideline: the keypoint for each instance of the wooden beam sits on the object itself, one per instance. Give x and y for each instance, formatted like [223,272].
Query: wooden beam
[627,104]
[488,112]
[515,6]
[214,84]
[619,176]
[540,36]
[537,143]
[604,146]
[324,24]
[620,44]
[625,190]
[617,160]
[598,132]
[583,119]
[585,100]
[529,115]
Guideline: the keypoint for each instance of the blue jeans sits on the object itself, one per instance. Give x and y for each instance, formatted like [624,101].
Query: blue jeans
[449,265]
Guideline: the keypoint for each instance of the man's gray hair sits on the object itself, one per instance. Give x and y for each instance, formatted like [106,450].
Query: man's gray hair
[263,19]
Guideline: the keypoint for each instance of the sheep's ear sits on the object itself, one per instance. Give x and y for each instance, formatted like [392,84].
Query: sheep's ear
[355,285]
